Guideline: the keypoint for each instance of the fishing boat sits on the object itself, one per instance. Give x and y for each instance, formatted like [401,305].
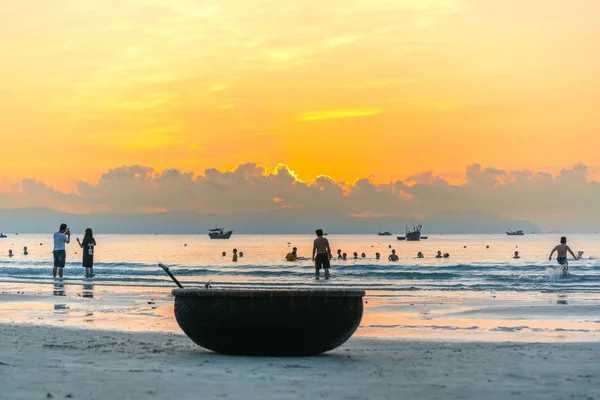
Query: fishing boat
[219,233]
[385,233]
[412,236]
[515,233]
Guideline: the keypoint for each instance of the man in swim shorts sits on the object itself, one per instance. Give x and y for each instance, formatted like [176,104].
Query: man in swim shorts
[562,250]
[321,254]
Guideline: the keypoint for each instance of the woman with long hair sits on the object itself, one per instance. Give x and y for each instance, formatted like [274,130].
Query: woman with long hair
[88,245]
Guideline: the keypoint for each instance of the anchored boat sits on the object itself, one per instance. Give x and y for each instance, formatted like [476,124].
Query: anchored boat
[515,233]
[412,236]
[219,233]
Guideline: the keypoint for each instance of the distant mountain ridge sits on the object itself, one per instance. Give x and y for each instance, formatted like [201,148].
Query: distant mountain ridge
[288,221]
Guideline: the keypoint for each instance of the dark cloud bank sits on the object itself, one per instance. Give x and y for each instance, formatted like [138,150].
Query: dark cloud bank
[136,199]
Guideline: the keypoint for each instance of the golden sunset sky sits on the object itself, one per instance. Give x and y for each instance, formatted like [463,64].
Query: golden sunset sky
[345,88]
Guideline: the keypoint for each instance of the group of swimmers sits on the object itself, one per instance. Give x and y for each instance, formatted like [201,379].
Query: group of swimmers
[25,252]
[235,255]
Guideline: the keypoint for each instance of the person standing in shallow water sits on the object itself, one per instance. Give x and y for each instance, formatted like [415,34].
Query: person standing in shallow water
[321,254]
[235,255]
[562,250]
[88,245]
[61,239]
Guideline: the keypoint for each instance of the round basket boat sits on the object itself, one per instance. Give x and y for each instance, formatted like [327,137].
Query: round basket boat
[269,322]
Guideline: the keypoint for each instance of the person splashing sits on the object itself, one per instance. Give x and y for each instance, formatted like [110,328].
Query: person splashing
[561,251]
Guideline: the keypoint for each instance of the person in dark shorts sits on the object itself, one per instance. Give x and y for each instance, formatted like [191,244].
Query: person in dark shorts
[88,245]
[561,251]
[61,239]
[321,254]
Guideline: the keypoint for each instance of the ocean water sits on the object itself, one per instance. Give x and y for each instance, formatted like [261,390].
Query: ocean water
[131,260]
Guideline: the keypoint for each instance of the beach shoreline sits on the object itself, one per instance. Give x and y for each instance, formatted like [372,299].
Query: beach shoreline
[102,364]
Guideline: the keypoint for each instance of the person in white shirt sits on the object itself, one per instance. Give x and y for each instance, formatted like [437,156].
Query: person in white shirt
[61,238]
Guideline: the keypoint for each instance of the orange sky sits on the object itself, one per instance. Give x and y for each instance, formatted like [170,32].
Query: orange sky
[348,88]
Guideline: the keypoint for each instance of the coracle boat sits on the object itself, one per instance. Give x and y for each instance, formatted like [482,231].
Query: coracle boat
[268,322]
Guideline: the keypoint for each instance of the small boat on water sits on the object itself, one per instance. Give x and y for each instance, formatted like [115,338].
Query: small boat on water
[219,233]
[385,233]
[515,233]
[412,236]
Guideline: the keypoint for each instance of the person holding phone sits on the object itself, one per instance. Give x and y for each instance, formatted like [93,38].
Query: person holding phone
[61,239]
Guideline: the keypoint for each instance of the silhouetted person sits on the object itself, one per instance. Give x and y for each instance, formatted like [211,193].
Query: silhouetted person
[223,254]
[344,256]
[88,245]
[446,255]
[241,254]
[10,253]
[439,254]
[419,255]
[25,252]
[321,254]
[339,253]
[516,256]
[235,255]
[61,239]
[377,256]
[562,250]
[355,255]
[363,255]
[293,256]
[393,256]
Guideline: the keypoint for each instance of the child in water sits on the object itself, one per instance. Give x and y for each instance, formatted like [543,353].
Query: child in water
[235,255]
[88,245]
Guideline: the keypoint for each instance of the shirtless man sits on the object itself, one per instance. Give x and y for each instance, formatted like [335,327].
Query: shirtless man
[393,256]
[321,254]
[562,250]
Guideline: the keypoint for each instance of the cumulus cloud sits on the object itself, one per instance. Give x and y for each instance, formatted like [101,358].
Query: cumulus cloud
[569,197]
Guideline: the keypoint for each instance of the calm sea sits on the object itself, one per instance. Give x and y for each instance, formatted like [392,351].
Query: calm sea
[131,260]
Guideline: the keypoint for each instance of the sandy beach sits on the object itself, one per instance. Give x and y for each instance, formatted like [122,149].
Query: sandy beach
[96,364]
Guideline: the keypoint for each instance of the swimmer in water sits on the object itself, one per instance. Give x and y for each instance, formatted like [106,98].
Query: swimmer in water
[339,253]
[580,255]
[235,255]
[293,256]
[446,255]
[10,253]
[439,254]
[516,256]
[420,255]
[562,249]
[363,255]
[377,256]
[223,254]
[344,256]
[393,256]
[25,252]
[355,255]
[241,254]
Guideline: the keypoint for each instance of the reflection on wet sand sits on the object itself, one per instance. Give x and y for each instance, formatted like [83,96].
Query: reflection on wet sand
[59,289]
[88,291]
[562,299]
